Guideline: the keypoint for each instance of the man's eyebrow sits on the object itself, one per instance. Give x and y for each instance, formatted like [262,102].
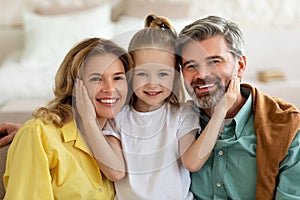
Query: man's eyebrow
[187,62]
[214,57]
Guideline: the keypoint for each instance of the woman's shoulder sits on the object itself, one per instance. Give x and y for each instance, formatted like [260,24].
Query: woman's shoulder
[37,122]
[37,127]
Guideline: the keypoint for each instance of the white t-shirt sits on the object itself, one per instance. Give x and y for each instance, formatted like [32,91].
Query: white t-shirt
[150,142]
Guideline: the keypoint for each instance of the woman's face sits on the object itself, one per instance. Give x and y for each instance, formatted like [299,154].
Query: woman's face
[105,80]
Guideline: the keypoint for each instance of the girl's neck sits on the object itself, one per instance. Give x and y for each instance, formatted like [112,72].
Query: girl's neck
[143,107]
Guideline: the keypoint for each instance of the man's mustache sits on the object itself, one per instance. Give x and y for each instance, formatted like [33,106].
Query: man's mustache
[205,81]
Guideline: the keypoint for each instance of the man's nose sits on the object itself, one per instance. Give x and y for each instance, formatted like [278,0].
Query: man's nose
[201,71]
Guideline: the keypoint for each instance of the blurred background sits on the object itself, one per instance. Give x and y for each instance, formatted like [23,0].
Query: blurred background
[36,34]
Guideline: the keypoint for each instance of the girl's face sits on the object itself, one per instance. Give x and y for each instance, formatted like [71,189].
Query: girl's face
[153,78]
[105,80]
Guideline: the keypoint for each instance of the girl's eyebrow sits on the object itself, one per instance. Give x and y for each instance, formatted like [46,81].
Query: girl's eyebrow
[167,69]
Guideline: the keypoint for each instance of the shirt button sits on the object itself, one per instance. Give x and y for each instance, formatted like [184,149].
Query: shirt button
[221,153]
[219,184]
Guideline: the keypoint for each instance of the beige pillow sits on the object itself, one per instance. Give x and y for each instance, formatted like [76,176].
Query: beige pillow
[48,38]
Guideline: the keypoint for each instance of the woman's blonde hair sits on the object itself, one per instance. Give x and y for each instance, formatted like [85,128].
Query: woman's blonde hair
[59,111]
[160,34]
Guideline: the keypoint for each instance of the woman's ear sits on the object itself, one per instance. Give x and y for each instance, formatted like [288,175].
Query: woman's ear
[242,62]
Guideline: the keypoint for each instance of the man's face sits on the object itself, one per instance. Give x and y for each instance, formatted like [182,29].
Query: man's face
[207,67]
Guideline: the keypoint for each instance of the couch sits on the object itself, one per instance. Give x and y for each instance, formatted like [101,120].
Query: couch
[3,152]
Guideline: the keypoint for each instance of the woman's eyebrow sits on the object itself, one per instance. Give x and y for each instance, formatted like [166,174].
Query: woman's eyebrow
[119,73]
[95,74]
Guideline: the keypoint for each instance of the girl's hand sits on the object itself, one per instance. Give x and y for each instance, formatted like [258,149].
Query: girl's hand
[84,105]
[230,96]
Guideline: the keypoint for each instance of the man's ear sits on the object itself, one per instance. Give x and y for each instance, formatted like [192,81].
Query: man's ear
[242,62]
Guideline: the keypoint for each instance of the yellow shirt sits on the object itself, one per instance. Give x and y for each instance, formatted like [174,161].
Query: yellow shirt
[46,162]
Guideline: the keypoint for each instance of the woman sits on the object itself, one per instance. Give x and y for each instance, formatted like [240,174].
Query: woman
[48,158]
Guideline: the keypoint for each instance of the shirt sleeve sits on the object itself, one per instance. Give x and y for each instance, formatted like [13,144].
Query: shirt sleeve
[289,181]
[111,129]
[27,174]
[189,119]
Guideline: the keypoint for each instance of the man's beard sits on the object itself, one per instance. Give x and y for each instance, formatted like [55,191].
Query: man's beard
[207,99]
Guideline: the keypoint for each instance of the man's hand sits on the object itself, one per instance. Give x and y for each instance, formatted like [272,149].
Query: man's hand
[8,132]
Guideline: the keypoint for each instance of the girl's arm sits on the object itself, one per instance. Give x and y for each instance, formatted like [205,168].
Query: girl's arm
[199,150]
[106,149]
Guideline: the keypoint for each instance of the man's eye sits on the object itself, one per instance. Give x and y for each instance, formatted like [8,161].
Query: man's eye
[213,62]
[190,67]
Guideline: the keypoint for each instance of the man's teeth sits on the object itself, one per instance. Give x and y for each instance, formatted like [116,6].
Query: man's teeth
[108,100]
[205,86]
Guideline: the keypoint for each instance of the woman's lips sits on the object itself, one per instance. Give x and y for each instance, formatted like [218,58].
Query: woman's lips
[108,101]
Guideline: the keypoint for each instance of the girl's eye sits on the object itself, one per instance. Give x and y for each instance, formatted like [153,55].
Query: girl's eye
[163,74]
[141,74]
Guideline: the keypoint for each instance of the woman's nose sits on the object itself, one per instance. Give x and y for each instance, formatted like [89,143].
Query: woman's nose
[108,86]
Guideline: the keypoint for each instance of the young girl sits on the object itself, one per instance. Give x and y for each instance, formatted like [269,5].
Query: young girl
[156,128]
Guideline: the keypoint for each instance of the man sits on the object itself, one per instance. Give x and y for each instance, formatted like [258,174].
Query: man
[257,154]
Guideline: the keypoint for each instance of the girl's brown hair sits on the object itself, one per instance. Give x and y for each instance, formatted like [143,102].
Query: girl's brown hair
[59,111]
[159,34]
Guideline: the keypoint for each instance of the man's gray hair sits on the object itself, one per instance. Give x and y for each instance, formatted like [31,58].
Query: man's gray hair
[209,27]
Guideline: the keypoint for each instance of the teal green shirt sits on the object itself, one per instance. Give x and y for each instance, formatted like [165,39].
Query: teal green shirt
[230,172]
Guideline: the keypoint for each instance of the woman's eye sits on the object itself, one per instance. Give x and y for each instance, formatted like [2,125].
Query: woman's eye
[119,78]
[97,79]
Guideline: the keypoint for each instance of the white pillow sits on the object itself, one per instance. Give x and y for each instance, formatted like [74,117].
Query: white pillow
[49,37]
